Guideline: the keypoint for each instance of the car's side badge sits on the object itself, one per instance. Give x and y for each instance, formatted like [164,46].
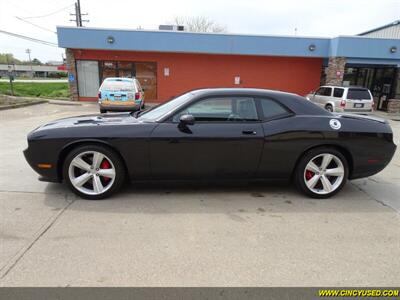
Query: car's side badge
[335,124]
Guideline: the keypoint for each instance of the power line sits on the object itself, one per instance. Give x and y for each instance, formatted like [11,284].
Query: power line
[38,26]
[49,14]
[29,38]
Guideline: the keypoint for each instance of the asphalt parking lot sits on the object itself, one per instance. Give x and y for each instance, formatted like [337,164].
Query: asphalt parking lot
[190,235]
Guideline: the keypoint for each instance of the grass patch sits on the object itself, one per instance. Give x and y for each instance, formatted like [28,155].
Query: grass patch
[36,89]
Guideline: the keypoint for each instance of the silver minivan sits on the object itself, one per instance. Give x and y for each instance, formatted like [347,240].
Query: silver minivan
[343,99]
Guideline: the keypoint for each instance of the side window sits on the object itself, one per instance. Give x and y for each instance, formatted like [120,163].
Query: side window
[272,109]
[324,91]
[338,93]
[138,85]
[328,91]
[221,109]
[320,91]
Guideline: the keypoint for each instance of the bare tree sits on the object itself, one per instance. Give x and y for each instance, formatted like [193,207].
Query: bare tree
[199,24]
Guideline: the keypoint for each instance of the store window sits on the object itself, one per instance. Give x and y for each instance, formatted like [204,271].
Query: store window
[145,72]
[88,78]
[378,79]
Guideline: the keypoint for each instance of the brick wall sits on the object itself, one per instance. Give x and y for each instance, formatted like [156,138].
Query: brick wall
[393,106]
[335,71]
[71,68]
[190,71]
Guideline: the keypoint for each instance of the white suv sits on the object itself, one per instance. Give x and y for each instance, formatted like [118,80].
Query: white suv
[343,99]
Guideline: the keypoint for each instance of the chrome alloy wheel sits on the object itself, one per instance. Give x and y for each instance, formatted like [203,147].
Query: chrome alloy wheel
[324,173]
[91,172]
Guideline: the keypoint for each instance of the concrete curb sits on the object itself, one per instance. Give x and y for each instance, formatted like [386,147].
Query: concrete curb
[11,106]
[64,102]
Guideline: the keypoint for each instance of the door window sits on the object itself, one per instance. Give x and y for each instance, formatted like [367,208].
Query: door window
[224,109]
[271,109]
[338,93]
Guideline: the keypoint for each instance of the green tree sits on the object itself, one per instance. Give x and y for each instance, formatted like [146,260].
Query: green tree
[8,58]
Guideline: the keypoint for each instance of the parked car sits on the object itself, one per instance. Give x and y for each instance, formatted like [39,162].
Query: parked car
[120,94]
[213,134]
[343,99]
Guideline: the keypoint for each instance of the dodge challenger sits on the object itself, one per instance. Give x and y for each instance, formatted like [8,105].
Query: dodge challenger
[207,134]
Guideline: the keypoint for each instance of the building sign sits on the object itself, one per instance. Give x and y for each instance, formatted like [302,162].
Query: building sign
[71,77]
[237,79]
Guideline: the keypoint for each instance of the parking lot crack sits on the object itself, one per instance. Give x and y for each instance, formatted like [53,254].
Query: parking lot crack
[373,198]
[5,270]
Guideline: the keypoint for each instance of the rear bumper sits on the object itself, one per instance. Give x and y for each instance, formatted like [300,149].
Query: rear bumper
[365,167]
[120,106]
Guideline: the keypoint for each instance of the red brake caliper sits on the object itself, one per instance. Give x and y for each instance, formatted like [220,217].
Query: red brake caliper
[309,174]
[105,165]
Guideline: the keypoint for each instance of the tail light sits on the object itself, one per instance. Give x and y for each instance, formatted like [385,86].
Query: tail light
[99,95]
[137,96]
[343,103]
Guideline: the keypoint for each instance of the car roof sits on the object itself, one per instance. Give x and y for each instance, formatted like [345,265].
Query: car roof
[127,79]
[345,87]
[239,91]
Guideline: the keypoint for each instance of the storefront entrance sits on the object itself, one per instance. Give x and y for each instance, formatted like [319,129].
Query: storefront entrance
[378,79]
[91,74]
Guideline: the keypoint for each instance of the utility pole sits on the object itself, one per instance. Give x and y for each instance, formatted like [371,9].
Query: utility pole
[10,75]
[78,14]
[30,61]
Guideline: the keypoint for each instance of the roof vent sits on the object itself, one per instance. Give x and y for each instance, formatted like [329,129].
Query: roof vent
[172,27]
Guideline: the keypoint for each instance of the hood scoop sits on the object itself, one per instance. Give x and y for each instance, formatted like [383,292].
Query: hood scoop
[98,120]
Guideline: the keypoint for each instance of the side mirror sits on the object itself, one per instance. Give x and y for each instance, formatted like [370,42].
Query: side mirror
[187,120]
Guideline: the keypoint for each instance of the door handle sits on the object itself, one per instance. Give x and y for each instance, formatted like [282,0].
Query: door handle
[250,132]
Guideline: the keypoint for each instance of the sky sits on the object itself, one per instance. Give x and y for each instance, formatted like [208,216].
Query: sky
[323,18]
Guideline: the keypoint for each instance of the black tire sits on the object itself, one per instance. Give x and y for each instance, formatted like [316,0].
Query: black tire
[111,155]
[142,106]
[329,107]
[299,175]
[103,111]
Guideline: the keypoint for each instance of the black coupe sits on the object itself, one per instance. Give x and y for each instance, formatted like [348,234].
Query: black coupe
[213,134]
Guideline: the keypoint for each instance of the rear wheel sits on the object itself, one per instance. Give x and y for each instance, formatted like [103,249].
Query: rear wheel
[93,171]
[329,107]
[321,172]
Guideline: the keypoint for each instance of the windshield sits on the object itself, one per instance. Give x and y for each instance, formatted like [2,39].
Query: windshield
[163,109]
[117,85]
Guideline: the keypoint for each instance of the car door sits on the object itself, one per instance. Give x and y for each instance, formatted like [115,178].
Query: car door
[225,141]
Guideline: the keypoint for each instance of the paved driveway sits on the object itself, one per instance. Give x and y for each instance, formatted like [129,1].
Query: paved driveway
[180,235]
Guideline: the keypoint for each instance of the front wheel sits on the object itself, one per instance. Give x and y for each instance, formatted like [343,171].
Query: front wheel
[93,171]
[102,111]
[321,172]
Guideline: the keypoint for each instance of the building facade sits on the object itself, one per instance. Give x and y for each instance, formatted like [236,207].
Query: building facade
[169,63]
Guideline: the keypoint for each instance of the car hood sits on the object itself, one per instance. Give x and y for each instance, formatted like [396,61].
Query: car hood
[91,120]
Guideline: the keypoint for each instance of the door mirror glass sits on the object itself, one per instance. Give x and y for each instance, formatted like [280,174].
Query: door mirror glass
[187,119]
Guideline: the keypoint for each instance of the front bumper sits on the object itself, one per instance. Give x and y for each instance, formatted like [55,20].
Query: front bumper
[49,175]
